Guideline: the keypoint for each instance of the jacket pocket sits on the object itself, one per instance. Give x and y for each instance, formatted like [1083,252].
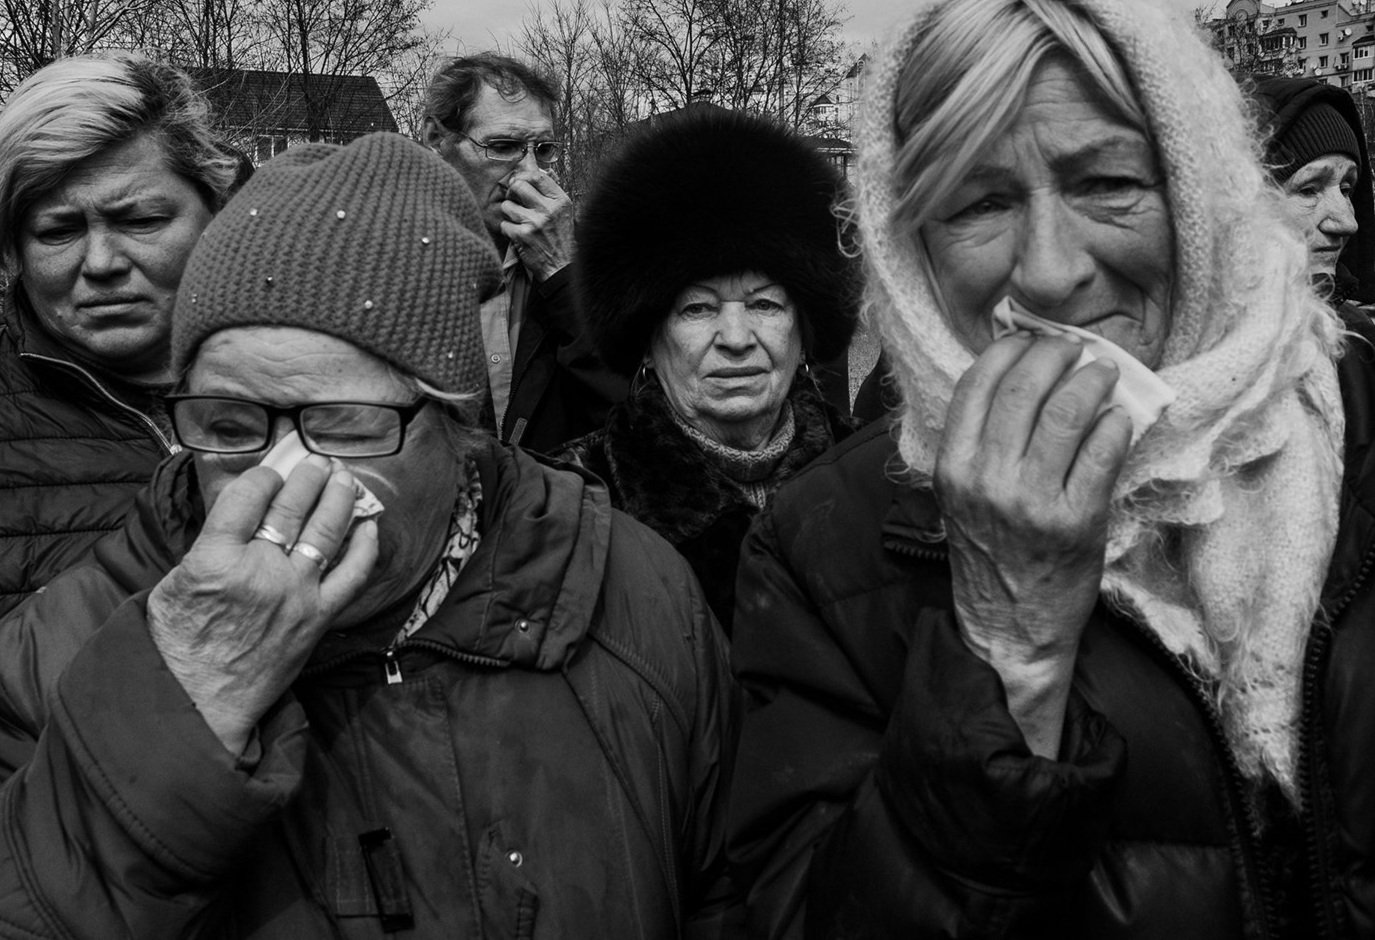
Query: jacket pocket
[509,899]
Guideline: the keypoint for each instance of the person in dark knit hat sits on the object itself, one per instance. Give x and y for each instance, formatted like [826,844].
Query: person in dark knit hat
[711,267]
[1316,152]
[377,672]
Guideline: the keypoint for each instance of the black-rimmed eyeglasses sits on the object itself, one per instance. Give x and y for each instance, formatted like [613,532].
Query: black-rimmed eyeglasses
[510,150]
[349,429]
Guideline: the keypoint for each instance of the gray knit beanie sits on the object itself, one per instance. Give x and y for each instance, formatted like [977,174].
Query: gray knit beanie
[379,243]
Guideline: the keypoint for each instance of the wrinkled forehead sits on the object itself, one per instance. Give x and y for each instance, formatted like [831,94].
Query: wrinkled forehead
[513,113]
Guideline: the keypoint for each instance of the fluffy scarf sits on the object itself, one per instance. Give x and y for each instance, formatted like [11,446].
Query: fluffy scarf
[1222,522]
[662,477]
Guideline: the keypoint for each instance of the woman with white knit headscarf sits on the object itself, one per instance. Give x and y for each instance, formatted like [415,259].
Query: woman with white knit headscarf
[1074,647]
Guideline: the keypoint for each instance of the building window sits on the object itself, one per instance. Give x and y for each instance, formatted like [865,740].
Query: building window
[1361,75]
[1362,52]
[1322,61]
[1303,19]
[1303,42]
[1322,38]
[1322,15]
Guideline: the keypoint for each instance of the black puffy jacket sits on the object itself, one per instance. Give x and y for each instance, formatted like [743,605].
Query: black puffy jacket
[544,758]
[75,448]
[883,790]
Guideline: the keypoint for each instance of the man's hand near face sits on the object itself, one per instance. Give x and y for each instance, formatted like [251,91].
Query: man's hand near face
[539,222]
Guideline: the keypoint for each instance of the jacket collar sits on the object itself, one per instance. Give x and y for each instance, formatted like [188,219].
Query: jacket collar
[525,598]
[527,595]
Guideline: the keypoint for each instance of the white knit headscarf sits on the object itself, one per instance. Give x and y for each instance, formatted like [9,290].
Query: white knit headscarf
[1222,523]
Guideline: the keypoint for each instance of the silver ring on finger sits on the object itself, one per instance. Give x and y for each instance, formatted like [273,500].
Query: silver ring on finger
[268,534]
[311,552]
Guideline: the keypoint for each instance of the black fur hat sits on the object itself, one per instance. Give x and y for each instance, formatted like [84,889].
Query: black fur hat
[701,194]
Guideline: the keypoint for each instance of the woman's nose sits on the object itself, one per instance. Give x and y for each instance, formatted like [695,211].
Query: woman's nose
[280,428]
[1339,217]
[105,255]
[733,327]
[1053,259]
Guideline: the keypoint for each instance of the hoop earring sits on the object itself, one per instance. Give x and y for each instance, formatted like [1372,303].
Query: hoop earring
[641,378]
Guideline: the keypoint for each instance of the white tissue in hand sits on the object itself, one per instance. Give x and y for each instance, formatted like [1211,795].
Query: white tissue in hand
[1141,393]
[289,451]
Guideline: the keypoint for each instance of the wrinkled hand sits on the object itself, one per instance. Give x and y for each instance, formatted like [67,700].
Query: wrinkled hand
[237,619]
[1023,478]
[539,223]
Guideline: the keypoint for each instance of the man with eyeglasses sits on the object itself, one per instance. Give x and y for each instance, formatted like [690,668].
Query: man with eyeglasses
[491,118]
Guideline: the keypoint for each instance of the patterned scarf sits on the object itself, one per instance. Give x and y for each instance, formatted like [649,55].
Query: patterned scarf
[460,544]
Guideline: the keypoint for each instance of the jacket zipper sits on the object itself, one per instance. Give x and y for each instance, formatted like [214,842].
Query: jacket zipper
[902,546]
[1310,734]
[170,446]
[391,666]
[1235,781]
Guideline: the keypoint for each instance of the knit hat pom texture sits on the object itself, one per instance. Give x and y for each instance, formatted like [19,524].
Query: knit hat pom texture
[379,243]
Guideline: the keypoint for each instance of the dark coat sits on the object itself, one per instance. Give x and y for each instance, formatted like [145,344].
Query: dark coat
[657,474]
[75,448]
[560,389]
[550,764]
[883,790]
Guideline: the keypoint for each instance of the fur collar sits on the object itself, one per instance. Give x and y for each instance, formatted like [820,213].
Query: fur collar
[659,475]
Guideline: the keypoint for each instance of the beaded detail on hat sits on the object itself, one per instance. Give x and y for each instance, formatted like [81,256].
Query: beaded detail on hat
[404,280]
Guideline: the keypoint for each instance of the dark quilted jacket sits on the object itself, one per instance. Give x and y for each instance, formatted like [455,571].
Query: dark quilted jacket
[883,790]
[74,450]
[547,761]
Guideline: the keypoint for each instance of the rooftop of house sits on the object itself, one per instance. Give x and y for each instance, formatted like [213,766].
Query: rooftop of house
[352,104]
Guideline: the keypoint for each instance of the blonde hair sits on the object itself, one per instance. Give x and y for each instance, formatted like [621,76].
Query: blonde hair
[966,78]
[76,107]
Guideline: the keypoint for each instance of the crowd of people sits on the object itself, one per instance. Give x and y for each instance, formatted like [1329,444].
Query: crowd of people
[392,548]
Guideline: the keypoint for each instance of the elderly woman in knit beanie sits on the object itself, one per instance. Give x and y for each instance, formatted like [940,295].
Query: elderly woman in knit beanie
[1316,152]
[376,673]
[710,267]
[1081,645]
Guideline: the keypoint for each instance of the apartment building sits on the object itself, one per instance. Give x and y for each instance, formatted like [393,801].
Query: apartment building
[1333,40]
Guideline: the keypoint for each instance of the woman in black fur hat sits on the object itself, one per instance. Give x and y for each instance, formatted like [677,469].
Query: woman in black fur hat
[710,267]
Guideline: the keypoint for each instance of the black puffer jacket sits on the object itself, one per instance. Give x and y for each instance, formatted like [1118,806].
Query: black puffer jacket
[544,758]
[660,476]
[75,447]
[882,789]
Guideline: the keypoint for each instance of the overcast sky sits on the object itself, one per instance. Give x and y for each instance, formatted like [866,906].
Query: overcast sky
[484,24]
